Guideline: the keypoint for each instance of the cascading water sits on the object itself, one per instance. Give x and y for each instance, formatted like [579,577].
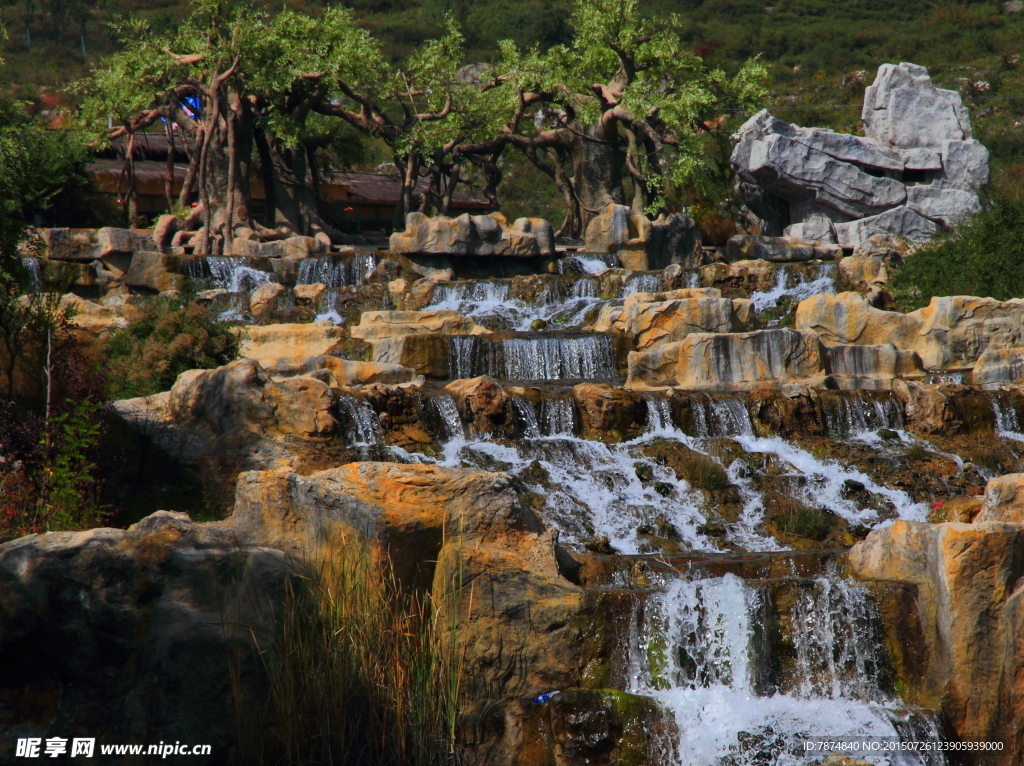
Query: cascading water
[34,267]
[1007,422]
[646,282]
[719,416]
[323,270]
[587,263]
[451,422]
[362,427]
[558,417]
[795,286]
[234,274]
[527,417]
[536,358]
[851,415]
[491,300]
[701,648]
[327,307]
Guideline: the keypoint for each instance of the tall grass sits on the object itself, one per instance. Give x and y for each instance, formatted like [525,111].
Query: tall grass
[360,673]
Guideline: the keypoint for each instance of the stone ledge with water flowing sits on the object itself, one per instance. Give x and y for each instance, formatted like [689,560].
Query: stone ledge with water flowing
[670,552]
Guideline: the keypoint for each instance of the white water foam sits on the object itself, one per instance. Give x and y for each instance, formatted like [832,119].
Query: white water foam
[795,287]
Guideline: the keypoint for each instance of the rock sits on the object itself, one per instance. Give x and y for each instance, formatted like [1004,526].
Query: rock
[870,367]
[675,240]
[289,343]
[672,320]
[114,242]
[436,268]
[69,244]
[746,247]
[231,402]
[154,271]
[949,333]
[999,367]
[817,228]
[869,268]
[92,323]
[608,413]
[345,372]
[1004,500]
[945,206]
[729,362]
[263,299]
[291,248]
[969,609]
[616,230]
[374,325]
[742,276]
[308,294]
[425,354]
[904,109]
[916,170]
[474,235]
[107,633]
[482,403]
[901,221]
[927,410]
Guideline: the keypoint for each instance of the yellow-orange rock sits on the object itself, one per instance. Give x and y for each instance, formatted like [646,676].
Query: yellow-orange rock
[729,362]
[999,367]
[949,333]
[1004,499]
[289,343]
[669,320]
[374,325]
[969,609]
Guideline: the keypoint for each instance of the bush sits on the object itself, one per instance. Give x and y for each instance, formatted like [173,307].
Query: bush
[982,256]
[170,335]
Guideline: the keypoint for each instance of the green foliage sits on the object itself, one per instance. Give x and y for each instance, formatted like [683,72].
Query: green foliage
[703,473]
[981,256]
[169,336]
[361,672]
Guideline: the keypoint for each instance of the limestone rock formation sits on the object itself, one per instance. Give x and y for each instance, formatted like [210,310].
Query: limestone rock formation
[966,628]
[474,235]
[654,318]
[868,269]
[948,333]
[744,247]
[642,244]
[375,325]
[289,343]
[916,170]
[92,323]
[870,367]
[729,362]
[1004,500]
[998,367]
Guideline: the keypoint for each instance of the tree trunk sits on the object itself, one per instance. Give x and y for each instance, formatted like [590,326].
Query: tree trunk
[598,162]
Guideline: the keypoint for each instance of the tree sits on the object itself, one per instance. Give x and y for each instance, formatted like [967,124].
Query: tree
[627,101]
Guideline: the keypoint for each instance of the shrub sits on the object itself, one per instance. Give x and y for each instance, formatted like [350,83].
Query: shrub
[982,256]
[170,335]
[704,473]
[360,672]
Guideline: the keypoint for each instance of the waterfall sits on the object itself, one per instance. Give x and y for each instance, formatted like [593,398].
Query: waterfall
[492,301]
[824,282]
[559,358]
[587,263]
[659,416]
[454,295]
[1007,423]
[585,287]
[35,274]
[327,306]
[719,416]
[527,416]
[558,417]
[323,270]
[837,638]
[361,268]
[699,647]
[646,282]
[362,426]
[462,352]
[853,413]
[577,358]
[451,422]
[233,273]
[693,279]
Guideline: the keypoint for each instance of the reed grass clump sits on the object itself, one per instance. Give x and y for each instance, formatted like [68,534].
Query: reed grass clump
[360,672]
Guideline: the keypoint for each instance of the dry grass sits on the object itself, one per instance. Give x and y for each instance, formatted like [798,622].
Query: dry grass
[359,672]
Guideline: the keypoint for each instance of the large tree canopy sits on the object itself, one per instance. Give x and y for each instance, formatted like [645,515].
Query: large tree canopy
[623,106]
